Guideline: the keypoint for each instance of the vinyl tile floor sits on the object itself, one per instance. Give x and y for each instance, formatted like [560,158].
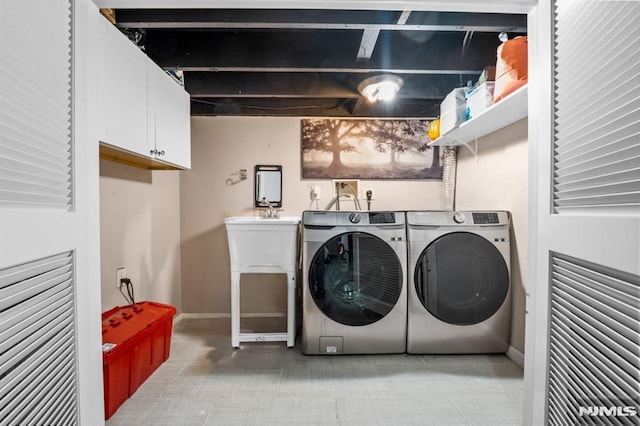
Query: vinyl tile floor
[207,382]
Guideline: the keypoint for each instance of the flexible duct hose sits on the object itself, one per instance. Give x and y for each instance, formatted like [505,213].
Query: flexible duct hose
[449,163]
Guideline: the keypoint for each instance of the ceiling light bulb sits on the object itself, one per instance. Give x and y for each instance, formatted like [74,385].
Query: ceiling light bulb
[387,91]
[380,87]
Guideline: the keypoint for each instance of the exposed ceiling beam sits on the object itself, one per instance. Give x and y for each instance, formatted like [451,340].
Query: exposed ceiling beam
[290,26]
[470,72]
[301,85]
[404,17]
[314,107]
[494,6]
[367,44]
[370,38]
[320,20]
[265,85]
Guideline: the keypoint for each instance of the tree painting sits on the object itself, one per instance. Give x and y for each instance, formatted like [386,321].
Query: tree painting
[368,149]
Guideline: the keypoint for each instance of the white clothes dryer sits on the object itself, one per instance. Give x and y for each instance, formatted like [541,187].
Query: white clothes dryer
[354,298]
[459,284]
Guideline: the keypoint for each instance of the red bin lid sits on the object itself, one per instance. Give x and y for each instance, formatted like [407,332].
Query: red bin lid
[124,326]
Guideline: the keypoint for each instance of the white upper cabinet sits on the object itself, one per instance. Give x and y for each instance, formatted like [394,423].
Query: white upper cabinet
[124,93]
[146,114]
[169,119]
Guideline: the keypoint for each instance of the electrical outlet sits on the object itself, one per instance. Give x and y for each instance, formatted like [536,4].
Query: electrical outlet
[120,274]
[315,193]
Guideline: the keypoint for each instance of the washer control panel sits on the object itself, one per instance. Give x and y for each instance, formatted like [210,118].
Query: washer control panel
[324,218]
[485,218]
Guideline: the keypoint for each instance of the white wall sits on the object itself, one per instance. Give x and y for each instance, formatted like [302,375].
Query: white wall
[497,180]
[209,193]
[140,230]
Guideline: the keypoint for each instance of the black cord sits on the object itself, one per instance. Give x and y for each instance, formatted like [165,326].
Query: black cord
[130,292]
[129,296]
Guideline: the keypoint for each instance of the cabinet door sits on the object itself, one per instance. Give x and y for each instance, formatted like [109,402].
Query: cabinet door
[124,93]
[169,119]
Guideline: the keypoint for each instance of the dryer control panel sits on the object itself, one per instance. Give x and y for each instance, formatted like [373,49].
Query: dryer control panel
[463,218]
[382,217]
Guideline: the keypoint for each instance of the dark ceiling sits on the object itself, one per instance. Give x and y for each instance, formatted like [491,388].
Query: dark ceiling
[309,62]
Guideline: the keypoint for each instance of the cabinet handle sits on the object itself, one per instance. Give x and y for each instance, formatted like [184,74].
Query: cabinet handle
[153,151]
[161,152]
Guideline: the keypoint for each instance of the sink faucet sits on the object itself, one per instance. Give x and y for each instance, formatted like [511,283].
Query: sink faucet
[270,212]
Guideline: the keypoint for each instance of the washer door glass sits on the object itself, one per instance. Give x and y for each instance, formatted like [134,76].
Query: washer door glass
[355,278]
[461,278]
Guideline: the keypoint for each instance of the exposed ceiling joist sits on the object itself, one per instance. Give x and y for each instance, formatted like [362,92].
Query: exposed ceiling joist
[364,70]
[319,20]
[305,85]
[367,44]
[370,38]
[473,6]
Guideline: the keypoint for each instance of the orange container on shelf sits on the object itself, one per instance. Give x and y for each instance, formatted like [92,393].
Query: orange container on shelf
[434,129]
[136,340]
[512,66]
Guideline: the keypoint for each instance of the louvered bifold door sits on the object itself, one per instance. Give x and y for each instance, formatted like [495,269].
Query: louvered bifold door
[597,106]
[35,104]
[594,353]
[37,343]
[594,294]
[38,224]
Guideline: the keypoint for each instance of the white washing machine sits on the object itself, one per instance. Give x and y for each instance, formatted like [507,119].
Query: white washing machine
[354,298]
[459,283]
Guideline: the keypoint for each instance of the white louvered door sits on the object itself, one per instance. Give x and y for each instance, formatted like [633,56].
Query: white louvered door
[583,309]
[50,365]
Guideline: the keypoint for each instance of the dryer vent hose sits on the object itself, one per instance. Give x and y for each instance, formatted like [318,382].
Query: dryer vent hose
[449,162]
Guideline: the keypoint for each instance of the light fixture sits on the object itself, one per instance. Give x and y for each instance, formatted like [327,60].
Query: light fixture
[381,87]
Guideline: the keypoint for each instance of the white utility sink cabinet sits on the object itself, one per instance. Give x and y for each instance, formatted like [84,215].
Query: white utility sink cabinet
[146,114]
[262,246]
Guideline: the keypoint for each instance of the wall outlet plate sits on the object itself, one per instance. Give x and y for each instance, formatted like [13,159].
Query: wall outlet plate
[120,273]
[315,193]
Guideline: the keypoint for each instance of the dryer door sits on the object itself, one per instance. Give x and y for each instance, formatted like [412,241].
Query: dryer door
[355,278]
[461,278]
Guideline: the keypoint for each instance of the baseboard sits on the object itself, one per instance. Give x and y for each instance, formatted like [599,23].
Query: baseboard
[516,356]
[177,319]
[186,315]
[263,315]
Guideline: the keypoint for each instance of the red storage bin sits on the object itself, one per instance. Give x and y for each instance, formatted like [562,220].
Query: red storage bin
[135,342]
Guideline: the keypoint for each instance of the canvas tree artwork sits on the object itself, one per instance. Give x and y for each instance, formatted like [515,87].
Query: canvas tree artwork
[368,149]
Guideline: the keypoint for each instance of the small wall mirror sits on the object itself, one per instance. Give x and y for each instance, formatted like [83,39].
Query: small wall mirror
[268,184]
